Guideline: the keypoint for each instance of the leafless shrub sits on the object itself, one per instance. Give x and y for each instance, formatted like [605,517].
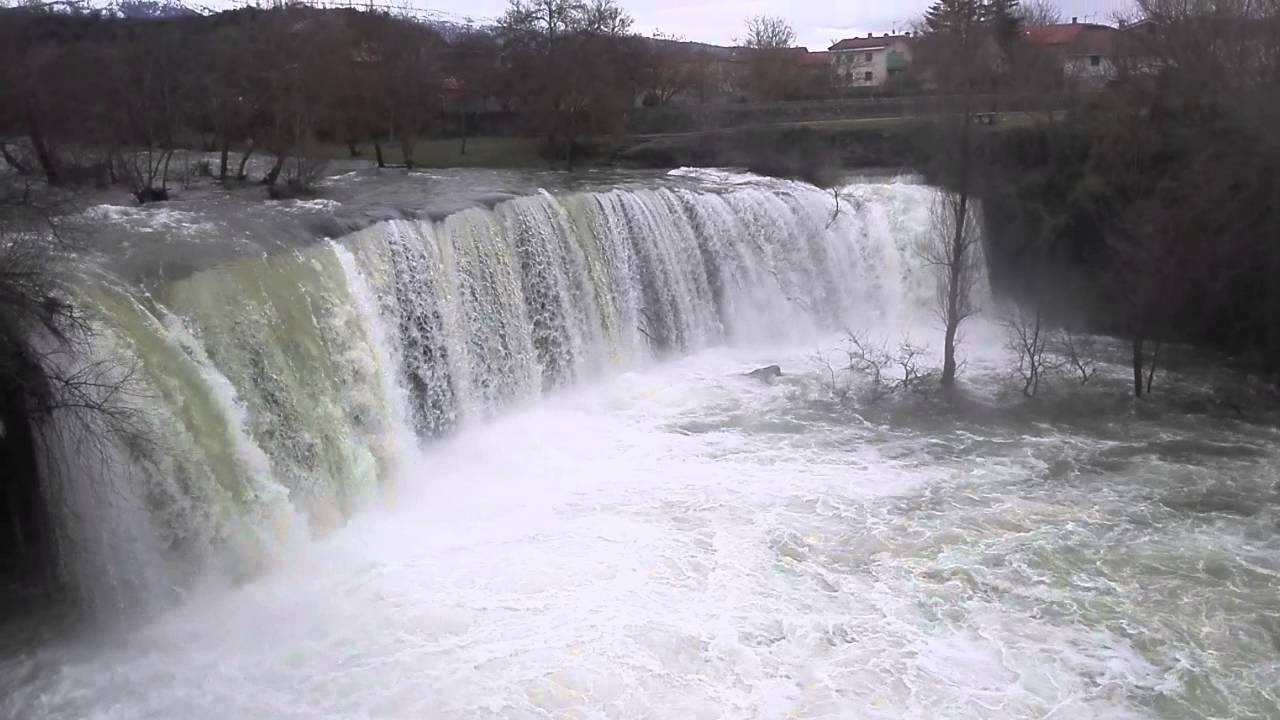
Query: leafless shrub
[884,370]
[1042,350]
[203,168]
[867,358]
[147,173]
[912,373]
[1075,355]
[836,378]
[1027,338]
[302,177]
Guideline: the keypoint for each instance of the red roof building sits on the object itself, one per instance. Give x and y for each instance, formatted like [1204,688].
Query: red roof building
[1086,51]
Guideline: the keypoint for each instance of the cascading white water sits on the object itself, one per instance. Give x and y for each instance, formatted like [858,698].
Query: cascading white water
[667,539]
[288,388]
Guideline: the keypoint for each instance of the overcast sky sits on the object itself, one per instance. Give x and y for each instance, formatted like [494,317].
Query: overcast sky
[817,22]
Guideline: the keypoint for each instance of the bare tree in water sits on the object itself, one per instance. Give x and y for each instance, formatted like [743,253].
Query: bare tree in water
[960,51]
[953,249]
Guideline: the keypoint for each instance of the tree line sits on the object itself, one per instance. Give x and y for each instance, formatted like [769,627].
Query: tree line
[101,98]
[1147,208]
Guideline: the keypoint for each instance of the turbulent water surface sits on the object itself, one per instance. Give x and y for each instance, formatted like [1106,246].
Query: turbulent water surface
[506,464]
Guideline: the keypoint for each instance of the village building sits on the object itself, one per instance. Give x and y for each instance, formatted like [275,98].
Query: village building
[870,61]
[1085,52]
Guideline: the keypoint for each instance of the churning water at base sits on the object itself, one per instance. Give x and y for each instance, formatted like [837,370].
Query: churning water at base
[684,542]
[662,539]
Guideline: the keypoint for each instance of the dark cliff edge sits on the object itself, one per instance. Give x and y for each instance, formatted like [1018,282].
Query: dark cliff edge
[815,152]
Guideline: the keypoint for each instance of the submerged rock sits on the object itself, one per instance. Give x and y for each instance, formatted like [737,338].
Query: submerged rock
[766,374]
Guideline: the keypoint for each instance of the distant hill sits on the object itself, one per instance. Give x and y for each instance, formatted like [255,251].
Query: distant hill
[128,9]
[143,9]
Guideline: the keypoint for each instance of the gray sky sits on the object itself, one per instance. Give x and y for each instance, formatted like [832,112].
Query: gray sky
[817,23]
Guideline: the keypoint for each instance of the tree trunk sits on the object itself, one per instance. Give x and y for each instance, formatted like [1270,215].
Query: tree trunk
[21,487]
[1137,367]
[949,354]
[377,152]
[1151,369]
[44,155]
[222,159]
[15,522]
[167,157]
[244,160]
[1273,303]
[406,149]
[955,272]
[353,149]
[463,124]
[274,174]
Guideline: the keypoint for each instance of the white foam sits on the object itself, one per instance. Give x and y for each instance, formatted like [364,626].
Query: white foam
[637,549]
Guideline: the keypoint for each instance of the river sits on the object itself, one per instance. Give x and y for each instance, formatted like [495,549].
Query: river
[504,462]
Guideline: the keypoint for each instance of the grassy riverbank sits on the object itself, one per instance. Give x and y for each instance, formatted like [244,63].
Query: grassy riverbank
[481,152]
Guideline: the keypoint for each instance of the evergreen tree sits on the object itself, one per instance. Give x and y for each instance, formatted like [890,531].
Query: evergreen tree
[1003,20]
[955,18]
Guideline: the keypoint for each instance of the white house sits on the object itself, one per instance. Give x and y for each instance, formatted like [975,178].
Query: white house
[870,61]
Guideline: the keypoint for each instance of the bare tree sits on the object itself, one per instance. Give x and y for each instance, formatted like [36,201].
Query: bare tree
[771,61]
[51,378]
[1037,13]
[147,86]
[959,49]
[766,32]
[673,68]
[51,88]
[293,83]
[606,17]
[410,70]
[219,91]
[572,63]
[953,248]
[473,64]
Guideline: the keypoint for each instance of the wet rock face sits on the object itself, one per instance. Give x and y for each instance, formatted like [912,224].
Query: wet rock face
[767,374]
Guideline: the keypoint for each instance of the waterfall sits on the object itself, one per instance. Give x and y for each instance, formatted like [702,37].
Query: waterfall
[283,393]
